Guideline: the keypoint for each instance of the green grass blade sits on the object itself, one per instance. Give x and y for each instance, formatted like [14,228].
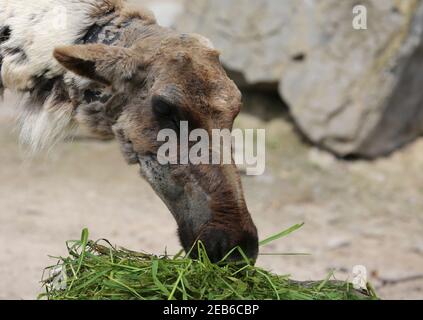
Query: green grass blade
[158,283]
[178,281]
[84,242]
[281,234]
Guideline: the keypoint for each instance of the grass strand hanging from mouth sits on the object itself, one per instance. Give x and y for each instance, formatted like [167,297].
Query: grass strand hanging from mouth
[281,234]
[100,271]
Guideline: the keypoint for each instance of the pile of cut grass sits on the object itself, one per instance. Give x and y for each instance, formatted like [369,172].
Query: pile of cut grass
[99,271]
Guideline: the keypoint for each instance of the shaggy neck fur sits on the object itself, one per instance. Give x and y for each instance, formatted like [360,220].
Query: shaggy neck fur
[52,99]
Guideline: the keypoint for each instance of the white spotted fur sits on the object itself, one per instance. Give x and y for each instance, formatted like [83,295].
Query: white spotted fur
[42,130]
[38,27]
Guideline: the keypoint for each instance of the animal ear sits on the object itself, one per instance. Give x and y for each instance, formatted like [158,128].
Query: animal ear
[108,65]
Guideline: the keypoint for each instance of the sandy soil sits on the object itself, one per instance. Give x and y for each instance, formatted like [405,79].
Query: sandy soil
[356,213]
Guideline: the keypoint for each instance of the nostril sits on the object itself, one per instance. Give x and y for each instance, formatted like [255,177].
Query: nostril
[250,245]
[220,242]
[216,242]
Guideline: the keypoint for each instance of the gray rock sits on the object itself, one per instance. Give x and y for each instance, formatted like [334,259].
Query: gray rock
[358,91]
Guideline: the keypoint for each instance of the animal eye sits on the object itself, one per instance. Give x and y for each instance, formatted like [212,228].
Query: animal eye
[161,107]
[167,113]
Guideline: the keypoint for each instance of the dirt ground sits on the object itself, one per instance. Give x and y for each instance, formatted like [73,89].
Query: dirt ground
[356,213]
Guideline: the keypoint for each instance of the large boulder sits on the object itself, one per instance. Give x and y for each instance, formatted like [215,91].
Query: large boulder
[353,92]
[359,92]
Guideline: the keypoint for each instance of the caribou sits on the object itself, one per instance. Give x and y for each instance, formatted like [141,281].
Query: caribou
[109,67]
